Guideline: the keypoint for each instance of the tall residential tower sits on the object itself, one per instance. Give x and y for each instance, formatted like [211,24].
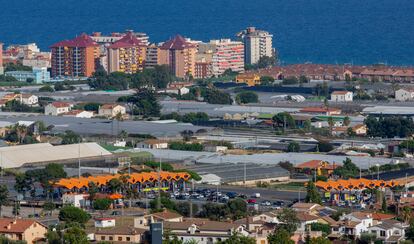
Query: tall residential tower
[75,58]
[257,44]
[179,54]
[126,55]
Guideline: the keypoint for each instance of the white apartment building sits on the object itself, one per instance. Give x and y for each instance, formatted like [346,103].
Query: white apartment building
[404,94]
[257,44]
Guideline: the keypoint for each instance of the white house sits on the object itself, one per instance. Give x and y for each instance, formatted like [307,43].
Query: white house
[111,110]
[389,231]
[356,223]
[29,99]
[77,200]
[79,114]
[153,144]
[104,222]
[57,108]
[179,91]
[342,96]
[404,94]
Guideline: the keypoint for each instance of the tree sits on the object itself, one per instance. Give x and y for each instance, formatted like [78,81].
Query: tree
[4,195]
[71,214]
[102,204]
[319,240]
[331,123]
[290,80]
[293,147]
[114,185]
[325,228]
[384,206]
[215,96]
[75,235]
[237,238]
[312,194]
[267,80]
[114,81]
[289,219]
[368,238]
[46,88]
[247,97]
[183,208]
[347,121]
[283,120]
[145,103]
[347,170]
[49,206]
[303,79]
[266,62]
[281,236]
[5,240]
[324,146]
[406,214]
[71,137]
[92,107]
[307,125]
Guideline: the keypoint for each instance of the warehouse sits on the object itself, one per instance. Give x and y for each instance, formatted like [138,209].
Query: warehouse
[35,154]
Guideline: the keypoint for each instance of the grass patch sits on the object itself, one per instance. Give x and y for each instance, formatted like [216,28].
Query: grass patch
[291,186]
[112,148]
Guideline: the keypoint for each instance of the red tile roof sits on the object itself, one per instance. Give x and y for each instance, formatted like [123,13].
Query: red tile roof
[60,104]
[81,41]
[129,40]
[340,92]
[177,43]
[314,164]
[9,225]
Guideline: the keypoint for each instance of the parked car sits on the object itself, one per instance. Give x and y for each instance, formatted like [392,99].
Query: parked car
[251,201]
[256,195]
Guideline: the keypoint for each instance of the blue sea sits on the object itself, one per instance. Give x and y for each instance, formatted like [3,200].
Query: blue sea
[317,31]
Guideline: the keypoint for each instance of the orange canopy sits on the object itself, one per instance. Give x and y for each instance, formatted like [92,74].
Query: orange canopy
[351,184]
[132,178]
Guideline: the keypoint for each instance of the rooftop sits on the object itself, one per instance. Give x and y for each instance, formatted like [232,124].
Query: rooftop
[11,225]
[83,40]
[128,41]
[177,43]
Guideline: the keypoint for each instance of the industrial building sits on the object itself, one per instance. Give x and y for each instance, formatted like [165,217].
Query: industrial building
[34,154]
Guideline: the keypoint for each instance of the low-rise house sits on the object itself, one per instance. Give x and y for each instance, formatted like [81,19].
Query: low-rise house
[204,231]
[111,110]
[320,110]
[389,231]
[28,230]
[57,108]
[215,148]
[29,99]
[360,129]
[164,216]
[356,223]
[153,144]
[178,91]
[119,234]
[306,220]
[339,131]
[342,96]
[321,167]
[404,94]
[249,79]
[104,222]
[79,114]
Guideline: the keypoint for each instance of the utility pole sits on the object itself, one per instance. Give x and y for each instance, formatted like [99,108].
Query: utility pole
[159,186]
[79,160]
[406,183]
[244,175]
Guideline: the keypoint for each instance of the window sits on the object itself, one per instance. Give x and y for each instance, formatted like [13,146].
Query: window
[382,233]
[102,238]
[111,238]
[128,238]
[120,238]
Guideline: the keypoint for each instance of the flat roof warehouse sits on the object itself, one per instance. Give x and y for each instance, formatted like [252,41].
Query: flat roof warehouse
[18,156]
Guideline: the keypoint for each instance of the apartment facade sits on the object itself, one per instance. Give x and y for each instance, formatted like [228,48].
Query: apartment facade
[1,59]
[222,55]
[257,44]
[179,54]
[126,55]
[151,59]
[75,58]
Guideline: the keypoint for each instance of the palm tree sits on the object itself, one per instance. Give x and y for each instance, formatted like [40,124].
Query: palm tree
[331,123]
[347,121]
[4,194]
[406,214]
[21,131]
[118,117]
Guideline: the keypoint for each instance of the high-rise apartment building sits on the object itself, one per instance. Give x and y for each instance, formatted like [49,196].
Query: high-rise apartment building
[75,58]
[126,55]
[1,59]
[152,56]
[222,55]
[257,44]
[179,54]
